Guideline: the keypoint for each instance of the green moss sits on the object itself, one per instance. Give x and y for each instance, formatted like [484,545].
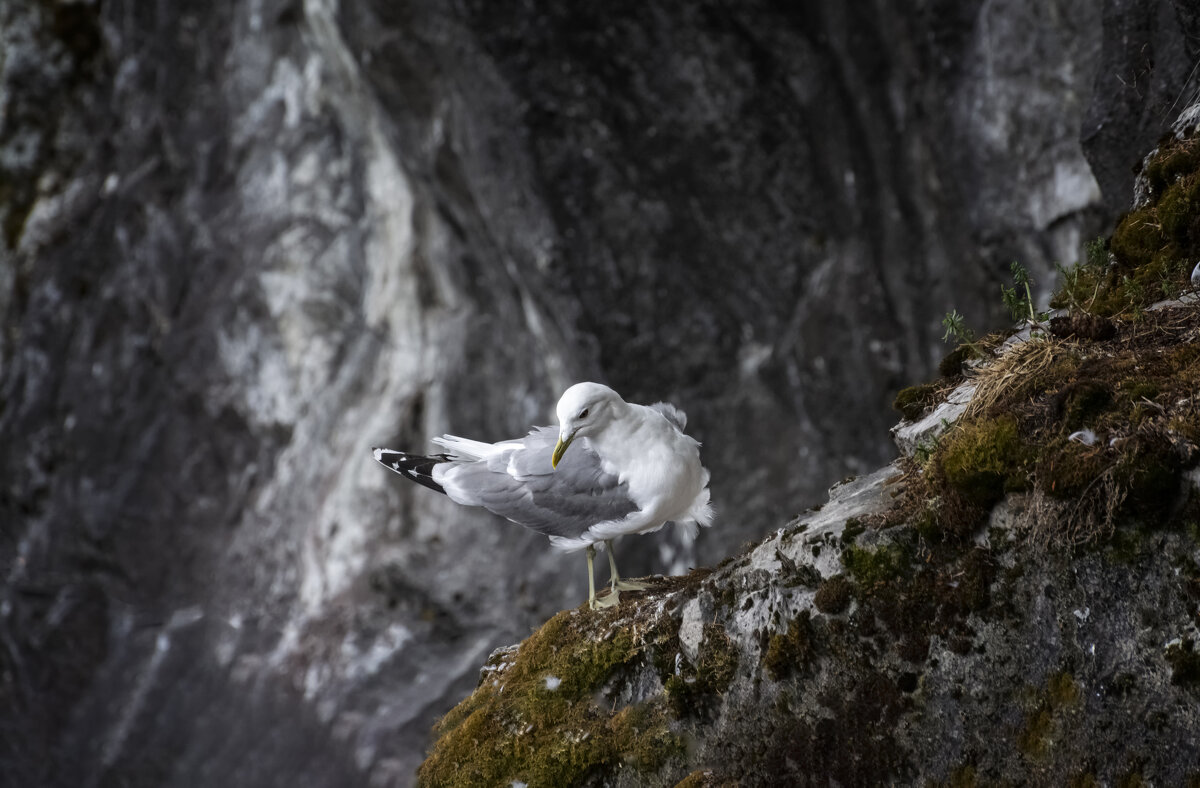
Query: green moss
[1124,545]
[925,523]
[912,402]
[1081,284]
[984,459]
[1044,723]
[1174,160]
[1136,479]
[852,529]
[1137,240]
[537,720]
[963,777]
[1179,212]
[790,651]
[873,567]
[1138,398]
[833,595]
[1062,691]
[1134,390]
[1085,403]
[1067,468]
[693,690]
[666,648]
[954,362]
[1153,247]
[1149,471]
[643,738]
[1035,738]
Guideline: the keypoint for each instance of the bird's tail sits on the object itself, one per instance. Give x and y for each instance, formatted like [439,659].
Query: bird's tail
[467,449]
[415,467]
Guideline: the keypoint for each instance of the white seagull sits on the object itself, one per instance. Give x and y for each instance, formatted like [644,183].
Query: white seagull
[631,471]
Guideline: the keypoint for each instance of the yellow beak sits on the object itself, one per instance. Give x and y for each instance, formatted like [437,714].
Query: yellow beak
[559,449]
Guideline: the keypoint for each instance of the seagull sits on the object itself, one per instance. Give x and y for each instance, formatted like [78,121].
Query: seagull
[610,468]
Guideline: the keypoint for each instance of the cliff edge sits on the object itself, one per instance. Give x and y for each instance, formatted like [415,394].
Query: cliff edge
[1016,599]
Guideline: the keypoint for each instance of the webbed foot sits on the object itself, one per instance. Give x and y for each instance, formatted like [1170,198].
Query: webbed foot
[611,599]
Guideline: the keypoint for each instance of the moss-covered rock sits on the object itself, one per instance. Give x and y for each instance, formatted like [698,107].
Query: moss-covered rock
[1067,468]
[914,401]
[954,363]
[992,615]
[872,567]
[535,717]
[1085,402]
[690,689]
[1047,723]
[1153,247]
[984,459]
[833,595]
[790,651]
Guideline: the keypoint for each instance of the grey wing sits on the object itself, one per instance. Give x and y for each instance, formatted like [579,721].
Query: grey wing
[521,486]
[673,414]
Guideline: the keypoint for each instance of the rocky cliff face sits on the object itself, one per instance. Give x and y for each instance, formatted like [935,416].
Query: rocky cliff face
[1016,600]
[243,244]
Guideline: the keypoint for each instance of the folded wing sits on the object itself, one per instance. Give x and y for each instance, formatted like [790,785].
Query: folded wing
[516,481]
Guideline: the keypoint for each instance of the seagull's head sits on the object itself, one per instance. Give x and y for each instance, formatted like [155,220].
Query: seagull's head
[584,409]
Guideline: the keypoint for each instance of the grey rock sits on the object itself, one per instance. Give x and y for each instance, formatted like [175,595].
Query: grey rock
[1002,662]
[911,436]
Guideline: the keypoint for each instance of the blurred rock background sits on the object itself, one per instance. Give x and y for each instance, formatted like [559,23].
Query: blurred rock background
[243,243]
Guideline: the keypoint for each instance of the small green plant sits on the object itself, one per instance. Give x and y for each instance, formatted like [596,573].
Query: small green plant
[1136,294]
[923,452]
[957,331]
[956,328]
[1020,304]
[1070,284]
[1081,282]
[1097,252]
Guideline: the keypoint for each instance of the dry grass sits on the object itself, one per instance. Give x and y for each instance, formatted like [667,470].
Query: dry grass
[1016,368]
[1092,517]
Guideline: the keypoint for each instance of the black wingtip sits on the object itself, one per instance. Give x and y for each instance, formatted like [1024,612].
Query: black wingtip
[413,467]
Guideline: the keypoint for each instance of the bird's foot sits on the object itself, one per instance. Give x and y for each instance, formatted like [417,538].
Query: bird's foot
[630,585]
[611,599]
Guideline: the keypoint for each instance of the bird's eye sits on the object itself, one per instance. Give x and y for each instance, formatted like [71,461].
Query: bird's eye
[583,413]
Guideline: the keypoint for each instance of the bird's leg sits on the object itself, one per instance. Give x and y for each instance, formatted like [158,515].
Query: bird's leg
[617,583]
[614,597]
[591,553]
